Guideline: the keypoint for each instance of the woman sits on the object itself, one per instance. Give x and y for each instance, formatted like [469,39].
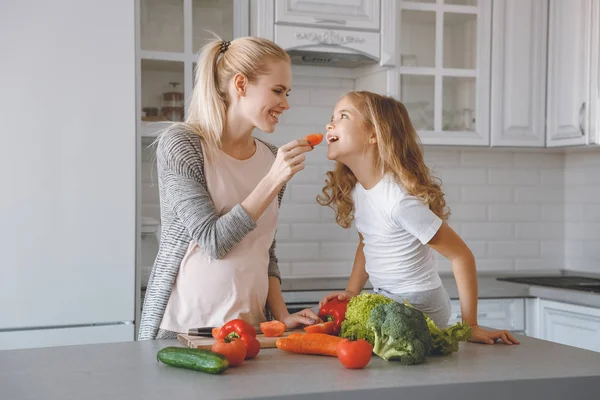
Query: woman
[220,190]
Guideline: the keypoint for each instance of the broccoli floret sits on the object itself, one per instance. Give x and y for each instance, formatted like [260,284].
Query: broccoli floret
[401,333]
[445,341]
[357,314]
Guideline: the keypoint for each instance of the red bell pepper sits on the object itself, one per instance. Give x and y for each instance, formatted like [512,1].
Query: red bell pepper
[243,330]
[334,310]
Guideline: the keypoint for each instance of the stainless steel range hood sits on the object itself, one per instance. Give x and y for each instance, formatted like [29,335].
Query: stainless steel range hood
[330,59]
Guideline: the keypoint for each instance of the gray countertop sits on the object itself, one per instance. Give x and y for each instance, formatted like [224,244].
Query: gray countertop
[119,371]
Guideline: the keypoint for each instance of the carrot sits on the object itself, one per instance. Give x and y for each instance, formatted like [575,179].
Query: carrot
[310,343]
[314,139]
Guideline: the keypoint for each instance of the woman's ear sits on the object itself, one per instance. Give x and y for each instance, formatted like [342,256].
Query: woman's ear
[239,83]
[372,138]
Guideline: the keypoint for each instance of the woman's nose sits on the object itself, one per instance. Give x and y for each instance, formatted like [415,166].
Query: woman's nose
[285,105]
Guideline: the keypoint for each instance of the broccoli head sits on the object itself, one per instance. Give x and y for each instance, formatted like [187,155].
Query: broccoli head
[401,333]
[445,341]
[357,314]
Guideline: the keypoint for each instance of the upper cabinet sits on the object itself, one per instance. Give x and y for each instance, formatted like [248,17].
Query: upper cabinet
[170,35]
[569,62]
[359,14]
[518,87]
[444,69]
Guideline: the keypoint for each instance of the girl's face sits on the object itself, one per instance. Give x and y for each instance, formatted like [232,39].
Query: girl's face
[346,135]
[266,99]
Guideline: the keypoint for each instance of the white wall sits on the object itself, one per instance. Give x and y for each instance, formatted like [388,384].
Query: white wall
[507,205]
[582,212]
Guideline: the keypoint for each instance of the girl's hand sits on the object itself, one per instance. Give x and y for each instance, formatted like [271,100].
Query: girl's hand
[289,160]
[304,317]
[482,336]
[340,295]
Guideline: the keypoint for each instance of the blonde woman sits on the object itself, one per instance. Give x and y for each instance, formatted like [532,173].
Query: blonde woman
[220,190]
[382,184]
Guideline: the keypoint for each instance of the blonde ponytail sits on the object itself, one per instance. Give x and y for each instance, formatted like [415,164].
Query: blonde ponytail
[217,64]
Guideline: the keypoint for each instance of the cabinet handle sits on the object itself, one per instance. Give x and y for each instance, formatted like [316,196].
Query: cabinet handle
[581,112]
[330,21]
[480,315]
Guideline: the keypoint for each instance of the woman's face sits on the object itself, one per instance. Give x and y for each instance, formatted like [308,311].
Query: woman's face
[346,134]
[266,98]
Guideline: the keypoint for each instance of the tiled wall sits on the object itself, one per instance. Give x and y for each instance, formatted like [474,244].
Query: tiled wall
[507,205]
[582,212]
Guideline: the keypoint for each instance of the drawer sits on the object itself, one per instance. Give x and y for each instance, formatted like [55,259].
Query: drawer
[346,14]
[506,314]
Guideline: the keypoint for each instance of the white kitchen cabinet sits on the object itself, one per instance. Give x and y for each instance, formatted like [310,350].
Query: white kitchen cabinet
[506,314]
[518,91]
[444,70]
[344,14]
[569,56]
[170,33]
[594,121]
[570,324]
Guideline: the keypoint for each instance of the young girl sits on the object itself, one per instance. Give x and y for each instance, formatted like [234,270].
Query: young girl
[382,184]
[220,189]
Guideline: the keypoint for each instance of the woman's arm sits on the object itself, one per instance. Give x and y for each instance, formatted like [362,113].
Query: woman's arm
[180,167]
[449,244]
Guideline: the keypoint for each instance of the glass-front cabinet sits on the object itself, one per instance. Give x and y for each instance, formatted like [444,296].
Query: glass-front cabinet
[170,35]
[444,69]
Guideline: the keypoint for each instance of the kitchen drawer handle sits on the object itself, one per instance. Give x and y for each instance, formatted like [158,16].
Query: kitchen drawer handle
[581,111]
[480,315]
[330,21]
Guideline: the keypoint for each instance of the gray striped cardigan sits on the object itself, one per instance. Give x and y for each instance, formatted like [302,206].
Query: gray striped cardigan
[187,213]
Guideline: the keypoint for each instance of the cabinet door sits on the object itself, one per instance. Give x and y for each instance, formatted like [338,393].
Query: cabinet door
[594,123]
[570,324]
[519,73]
[506,314]
[347,14]
[444,72]
[568,72]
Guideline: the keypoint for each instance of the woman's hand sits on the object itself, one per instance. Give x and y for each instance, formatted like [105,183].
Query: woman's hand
[482,336]
[345,295]
[290,159]
[304,317]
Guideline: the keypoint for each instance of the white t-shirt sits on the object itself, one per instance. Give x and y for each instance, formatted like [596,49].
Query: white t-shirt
[396,228]
[210,292]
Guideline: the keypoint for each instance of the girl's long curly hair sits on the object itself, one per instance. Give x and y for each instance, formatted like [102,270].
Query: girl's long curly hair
[400,154]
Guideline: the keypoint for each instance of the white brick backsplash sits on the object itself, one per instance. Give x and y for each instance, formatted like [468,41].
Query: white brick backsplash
[290,212]
[553,248]
[463,176]
[514,212]
[536,160]
[319,232]
[468,212]
[539,230]
[487,194]
[486,158]
[525,210]
[517,176]
[514,249]
[297,251]
[486,230]
[541,195]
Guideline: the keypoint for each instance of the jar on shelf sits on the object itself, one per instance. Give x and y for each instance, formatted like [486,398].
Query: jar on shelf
[172,103]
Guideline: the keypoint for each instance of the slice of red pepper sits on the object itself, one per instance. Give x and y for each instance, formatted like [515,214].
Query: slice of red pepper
[334,310]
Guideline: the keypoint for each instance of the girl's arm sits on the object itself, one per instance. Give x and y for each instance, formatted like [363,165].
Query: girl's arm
[276,304]
[358,277]
[447,242]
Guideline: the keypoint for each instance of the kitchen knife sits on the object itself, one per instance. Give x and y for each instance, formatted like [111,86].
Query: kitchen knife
[205,331]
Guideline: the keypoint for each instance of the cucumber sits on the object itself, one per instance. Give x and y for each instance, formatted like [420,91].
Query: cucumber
[196,359]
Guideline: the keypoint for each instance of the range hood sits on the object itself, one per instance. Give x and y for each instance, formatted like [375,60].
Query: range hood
[330,58]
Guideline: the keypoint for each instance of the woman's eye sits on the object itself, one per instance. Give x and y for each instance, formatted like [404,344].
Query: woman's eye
[278,91]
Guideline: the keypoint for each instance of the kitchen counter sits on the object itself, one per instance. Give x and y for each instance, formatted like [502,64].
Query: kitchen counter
[119,371]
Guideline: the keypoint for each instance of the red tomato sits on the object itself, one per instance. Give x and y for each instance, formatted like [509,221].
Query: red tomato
[233,349]
[215,333]
[354,354]
[272,328]
[252,346]
[325,327]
